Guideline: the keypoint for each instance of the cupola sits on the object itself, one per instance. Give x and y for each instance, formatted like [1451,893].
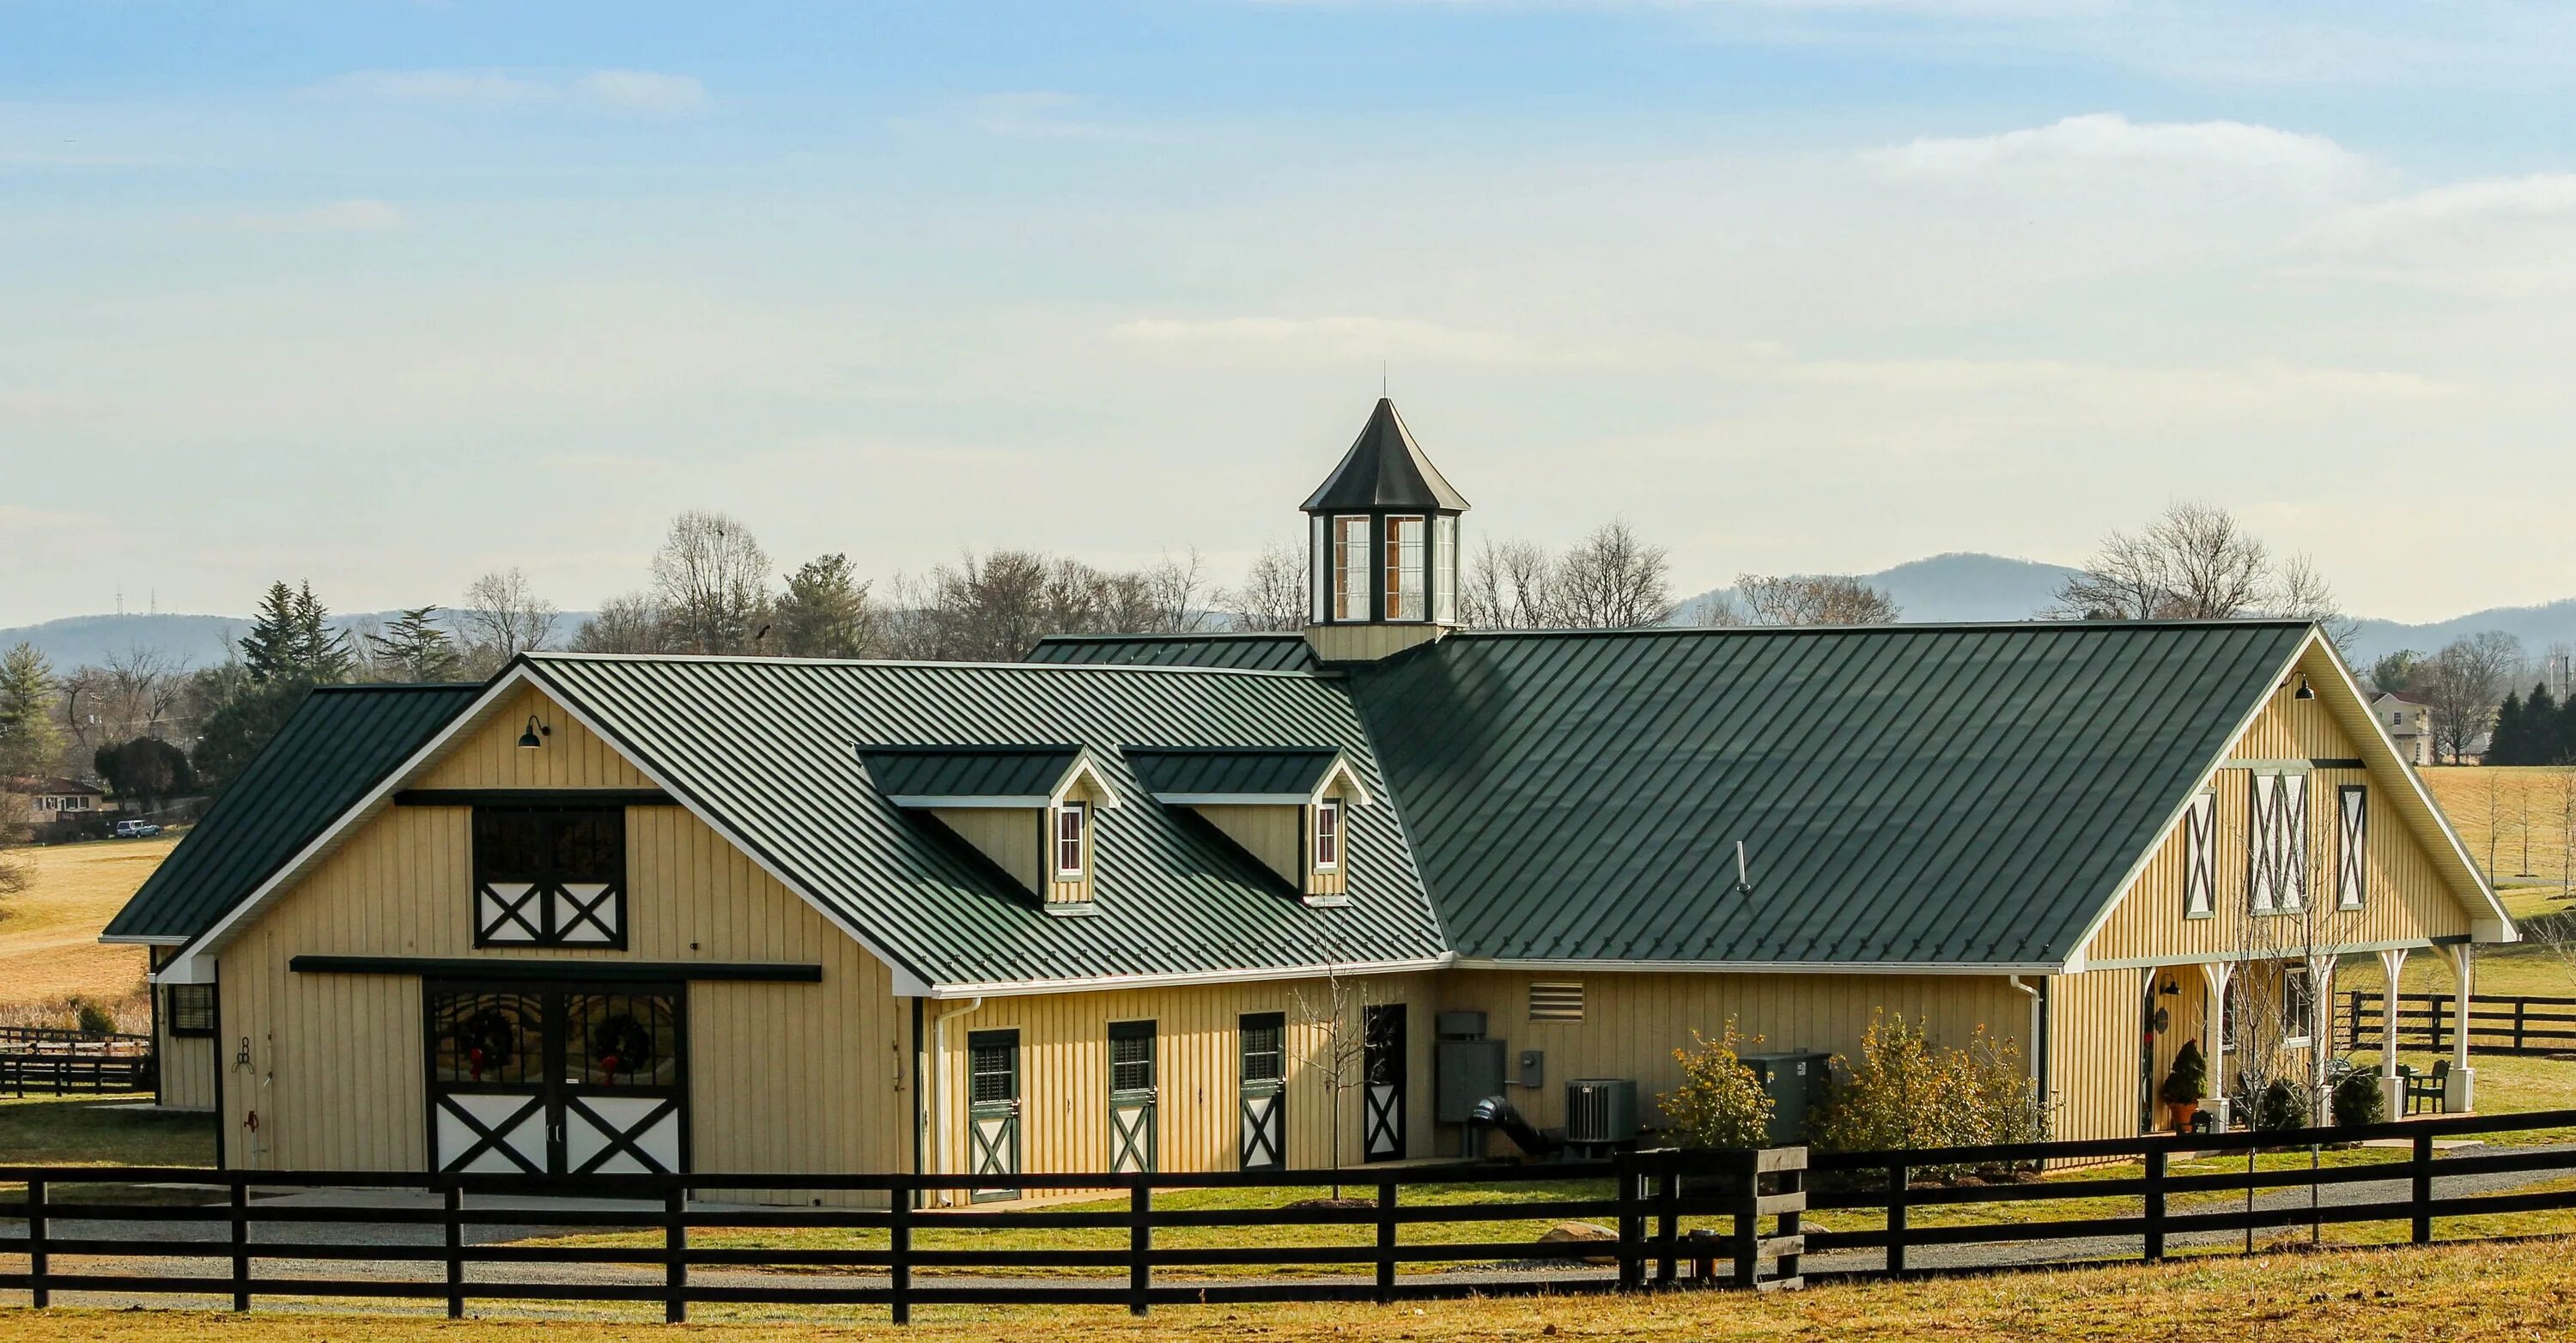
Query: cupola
[1382,558]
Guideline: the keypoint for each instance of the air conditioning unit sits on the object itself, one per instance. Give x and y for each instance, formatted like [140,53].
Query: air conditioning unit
[1600,1111]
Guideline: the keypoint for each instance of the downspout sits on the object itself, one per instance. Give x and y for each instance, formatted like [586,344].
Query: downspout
[936,1093]
[2038,1035]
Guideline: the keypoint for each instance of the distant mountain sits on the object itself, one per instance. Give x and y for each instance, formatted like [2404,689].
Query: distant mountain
[1969,586]
[188,641]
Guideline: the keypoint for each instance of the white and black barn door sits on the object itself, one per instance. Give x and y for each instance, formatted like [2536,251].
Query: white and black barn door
[993,1112]
[1131,1096]
[546,1080]
[1382,1092]
[1262,1118]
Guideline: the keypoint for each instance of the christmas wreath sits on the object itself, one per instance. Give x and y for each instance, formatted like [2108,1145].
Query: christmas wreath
[620,1044]
[487,1039]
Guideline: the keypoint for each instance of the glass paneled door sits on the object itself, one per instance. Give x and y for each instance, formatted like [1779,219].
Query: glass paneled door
[993,1111]
[1382,1089]
[1262,1043]
[1131,1096]
[557,1079]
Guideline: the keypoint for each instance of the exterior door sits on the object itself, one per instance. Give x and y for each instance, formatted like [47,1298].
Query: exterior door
[1382,1092]
[993,1111]
[1262,1042]
[545,1080]
[1131,1096]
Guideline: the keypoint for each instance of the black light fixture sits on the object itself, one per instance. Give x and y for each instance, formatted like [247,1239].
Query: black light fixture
[2303,692]
[536,734]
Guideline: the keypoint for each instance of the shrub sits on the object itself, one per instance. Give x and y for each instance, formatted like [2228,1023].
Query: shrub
[2188,1081]
[1720,1103]
[2279,1107]
[91,1018]
[2358,1100]
[1905,1092]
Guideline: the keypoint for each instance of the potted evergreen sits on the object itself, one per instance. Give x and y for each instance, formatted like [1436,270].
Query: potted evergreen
[2186,1086]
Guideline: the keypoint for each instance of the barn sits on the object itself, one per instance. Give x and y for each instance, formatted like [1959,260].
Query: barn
[1231,901]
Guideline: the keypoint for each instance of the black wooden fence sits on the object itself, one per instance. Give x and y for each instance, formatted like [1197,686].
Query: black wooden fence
[34,1058]
[2428,1021]
[1758,1201]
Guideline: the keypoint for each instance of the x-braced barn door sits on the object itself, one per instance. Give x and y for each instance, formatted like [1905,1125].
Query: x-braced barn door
[1382,1096]
[1131,1096]
[993,1111]
[1263,1043]
[567,1080]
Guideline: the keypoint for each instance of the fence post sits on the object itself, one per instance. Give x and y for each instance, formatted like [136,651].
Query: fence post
[241,1242]
[1623,1170]
[899,1251]
[1899,1179]
[2518,1005]
[1748,1220]
[675,1255]
[2422,1194]
[455,1229]
[1140,1243]
[2439,1016]
[1668,1229]
[1385,1241]
[38,1294]
[2153,1250]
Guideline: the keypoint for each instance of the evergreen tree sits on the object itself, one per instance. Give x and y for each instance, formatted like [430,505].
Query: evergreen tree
[415,649]
[324,653]
[268,651]
[2505,743]
[29,741]
[825,613]
[2565,735]
[2543,731]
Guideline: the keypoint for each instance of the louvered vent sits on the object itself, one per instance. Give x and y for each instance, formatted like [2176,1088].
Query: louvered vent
[1556,1002]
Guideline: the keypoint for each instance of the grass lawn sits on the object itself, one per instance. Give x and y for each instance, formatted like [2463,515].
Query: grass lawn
[49,948]
[101,1131]
[2466,1293]
[2497,809]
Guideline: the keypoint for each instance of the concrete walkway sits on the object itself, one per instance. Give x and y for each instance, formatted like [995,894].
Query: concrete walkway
[285,1236]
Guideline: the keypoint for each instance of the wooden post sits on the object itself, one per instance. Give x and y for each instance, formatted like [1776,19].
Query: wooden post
[241,1242]
[1140,1243]
[38,1294]
[2439,1000]
[1748,1221]
[1632,1274]
[1899,1178]
[1668,1213]
[2517,1023]
[2422,1194]
[899,1248]
[675,1255]
[2153,1251]
[1385,1241]
[455,1230]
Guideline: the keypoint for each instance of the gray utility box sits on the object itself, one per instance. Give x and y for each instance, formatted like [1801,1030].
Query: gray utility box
[1795,1080]
[1467,1071]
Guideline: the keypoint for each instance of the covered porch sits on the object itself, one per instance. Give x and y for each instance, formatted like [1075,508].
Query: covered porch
[2257,1019]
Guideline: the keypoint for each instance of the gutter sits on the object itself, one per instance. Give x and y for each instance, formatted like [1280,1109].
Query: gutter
[935,1094]
[2038,1033]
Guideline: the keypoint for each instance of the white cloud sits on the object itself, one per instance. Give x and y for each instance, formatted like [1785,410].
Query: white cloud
[2108,139]
[1333,338]
[2541,196]
[640,91]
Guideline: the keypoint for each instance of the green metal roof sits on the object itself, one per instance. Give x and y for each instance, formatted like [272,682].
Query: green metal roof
[1188,771]
[340,742]
[1923,795]
[968,771]
[765,746]
[1244,652]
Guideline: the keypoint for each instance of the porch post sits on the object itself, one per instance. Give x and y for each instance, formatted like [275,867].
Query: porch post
[2392,1091]
[2460,1094]
[2321,971]
[2213,1045]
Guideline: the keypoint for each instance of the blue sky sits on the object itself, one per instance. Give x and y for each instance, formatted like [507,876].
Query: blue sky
[391,294]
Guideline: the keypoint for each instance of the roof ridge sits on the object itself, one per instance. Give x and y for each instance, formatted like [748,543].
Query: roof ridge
[1895,627]
[342,686]
[737,659]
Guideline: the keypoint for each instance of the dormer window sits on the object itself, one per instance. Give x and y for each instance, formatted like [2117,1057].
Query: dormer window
[1328,835]
[1071,820]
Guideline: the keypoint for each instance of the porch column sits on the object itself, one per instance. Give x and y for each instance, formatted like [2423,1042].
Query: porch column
[2392,1091]
[2460,1094]
[2321,971]
[2213,1043]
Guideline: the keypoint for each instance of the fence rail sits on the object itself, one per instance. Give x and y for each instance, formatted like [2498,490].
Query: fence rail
[2429,1021]
[64,1074]
[1758,1202]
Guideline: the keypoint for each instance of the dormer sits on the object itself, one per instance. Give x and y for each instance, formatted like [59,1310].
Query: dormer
[1031,810]
[1287,807]
[1382,547]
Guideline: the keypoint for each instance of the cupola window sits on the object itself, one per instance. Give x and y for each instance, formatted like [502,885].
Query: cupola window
[1350,568]
[1404,569]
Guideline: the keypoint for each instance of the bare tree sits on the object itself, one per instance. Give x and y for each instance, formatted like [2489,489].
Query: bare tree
[1805,599]
[631,623]
[1510,585]
[2197,562]
[711,580]
[17,871]
[1178,593]
[503,617]
[1334,1028]
[1612,579]
[1273,596]
[2462,686]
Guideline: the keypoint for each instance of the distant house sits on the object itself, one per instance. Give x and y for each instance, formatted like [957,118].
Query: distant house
[1120,906]
[53,797]
[2408,720]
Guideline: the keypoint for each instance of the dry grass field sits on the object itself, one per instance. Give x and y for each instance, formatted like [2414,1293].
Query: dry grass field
[2468,1293]
[2513,818]
[49,948]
